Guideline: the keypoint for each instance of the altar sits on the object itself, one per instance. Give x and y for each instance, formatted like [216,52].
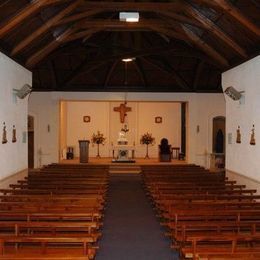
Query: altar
[123,153]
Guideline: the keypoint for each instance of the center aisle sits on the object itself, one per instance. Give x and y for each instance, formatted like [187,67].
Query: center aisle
[131,231]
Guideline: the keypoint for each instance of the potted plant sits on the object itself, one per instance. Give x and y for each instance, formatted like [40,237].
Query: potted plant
[98,139]
[147,139]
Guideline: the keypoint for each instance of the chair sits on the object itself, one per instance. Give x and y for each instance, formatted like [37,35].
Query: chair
[165,151]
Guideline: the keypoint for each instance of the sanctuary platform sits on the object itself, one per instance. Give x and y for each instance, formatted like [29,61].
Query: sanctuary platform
[138,161]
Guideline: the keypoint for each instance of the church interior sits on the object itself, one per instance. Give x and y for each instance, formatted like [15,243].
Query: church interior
[130,129]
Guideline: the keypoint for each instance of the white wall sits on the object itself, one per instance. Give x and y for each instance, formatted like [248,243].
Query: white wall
[13,111]
[202,109]
[243,158]
[78,130]
[140,119]
[170,127]
[45,109]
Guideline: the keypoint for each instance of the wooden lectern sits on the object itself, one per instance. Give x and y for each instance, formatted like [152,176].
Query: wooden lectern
[83,151]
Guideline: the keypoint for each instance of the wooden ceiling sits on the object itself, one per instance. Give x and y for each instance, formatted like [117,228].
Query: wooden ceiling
[178,45]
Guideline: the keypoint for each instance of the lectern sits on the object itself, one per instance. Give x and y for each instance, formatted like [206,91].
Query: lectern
[83,151]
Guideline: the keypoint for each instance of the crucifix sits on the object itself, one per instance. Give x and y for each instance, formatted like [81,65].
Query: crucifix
[122,109]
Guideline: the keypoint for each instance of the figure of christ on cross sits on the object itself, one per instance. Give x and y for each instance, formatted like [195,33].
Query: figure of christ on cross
[122,109]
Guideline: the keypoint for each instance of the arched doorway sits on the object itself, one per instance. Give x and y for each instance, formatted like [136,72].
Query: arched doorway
[30,142]
[219,126]
[218,143]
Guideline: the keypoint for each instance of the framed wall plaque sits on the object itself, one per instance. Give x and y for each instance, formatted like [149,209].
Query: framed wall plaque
[86,119]
[158,119]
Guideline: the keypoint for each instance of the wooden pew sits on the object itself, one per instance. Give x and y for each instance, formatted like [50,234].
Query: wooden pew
[19,228]
[45,242]
[180,231]
[192,203]
[236,245]
[60,207]
[52,192]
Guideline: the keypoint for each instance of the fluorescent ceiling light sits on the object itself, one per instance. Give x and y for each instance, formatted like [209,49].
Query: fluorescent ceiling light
[128,59]
[129,17]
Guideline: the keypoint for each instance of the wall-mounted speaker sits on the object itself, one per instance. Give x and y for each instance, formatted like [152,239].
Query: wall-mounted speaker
[233,93]
[23,91]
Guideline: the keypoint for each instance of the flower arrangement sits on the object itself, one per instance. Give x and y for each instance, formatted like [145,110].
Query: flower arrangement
[98,138]
[147,139]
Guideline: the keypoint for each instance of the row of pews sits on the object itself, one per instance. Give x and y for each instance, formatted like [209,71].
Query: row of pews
[206,215]
[54,213]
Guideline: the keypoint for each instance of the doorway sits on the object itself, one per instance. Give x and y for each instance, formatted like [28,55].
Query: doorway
[30,142]
[219,126]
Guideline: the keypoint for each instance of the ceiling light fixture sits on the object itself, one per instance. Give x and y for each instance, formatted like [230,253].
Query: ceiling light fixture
[128,59]
[131,17]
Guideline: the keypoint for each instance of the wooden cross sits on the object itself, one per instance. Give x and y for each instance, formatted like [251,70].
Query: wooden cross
[122,109]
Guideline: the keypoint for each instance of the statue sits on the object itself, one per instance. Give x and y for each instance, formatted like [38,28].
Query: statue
[14,135]
[4,138]
[122,140]
[238,140]
[121,135]
[252,139]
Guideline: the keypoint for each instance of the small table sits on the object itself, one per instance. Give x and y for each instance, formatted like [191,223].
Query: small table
[176,151]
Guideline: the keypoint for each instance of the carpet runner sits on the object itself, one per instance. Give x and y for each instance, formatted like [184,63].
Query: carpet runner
[131,231]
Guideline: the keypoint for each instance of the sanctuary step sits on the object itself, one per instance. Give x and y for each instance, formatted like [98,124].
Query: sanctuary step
[124,168]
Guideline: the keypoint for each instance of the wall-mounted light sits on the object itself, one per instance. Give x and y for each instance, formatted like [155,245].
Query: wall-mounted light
[23,91]
[131,17]
[233,93]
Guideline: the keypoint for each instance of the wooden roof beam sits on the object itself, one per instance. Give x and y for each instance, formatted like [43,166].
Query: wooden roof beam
[234,12]
[136,6]
[111,70]
[182,19]
[170,33]
[26,12]
[41,54]
[76,17]
[198,72]
[82,68]
[80,35]
[215,30]
[113,23]
[238,16]
[205,47]
[169,70]
[45,27]
[140,71]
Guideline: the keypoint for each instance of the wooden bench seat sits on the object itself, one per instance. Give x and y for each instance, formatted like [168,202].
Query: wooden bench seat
[183,185]
[45,242]
[209,205]
[70,180]
[30,256]
[23,227]
[189,192]
[42,206]
[25,215]
[53,198]
[223,245]
[169,198]
[72,174]
[58,186]
[43,191]
[180,231]
[212,215]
